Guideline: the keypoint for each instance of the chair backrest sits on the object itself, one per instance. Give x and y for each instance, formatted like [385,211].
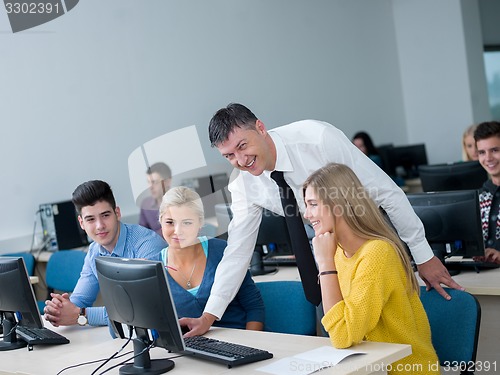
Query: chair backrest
[454,324]
[29,260]
[287,310]
[63,270]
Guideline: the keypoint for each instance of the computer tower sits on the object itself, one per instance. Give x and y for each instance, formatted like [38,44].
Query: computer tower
[61,229]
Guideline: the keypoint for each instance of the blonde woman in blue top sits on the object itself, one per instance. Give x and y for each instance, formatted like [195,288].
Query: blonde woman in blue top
[191,262]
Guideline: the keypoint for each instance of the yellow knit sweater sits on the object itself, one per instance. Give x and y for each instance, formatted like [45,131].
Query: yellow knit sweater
[378,307]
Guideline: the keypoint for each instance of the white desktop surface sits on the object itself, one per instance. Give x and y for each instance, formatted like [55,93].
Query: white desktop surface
[91,343]
[484,283]
[282,273]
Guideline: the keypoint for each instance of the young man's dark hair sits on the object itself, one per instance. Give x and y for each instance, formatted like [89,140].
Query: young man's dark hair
[226,119]
[161,168]
[486,130]
[91,192]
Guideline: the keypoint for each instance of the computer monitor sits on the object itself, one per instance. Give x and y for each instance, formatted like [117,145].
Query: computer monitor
[60,226]
[136,293]
[212,190]
[223,215]
[455,176]
[273,237]
[384,153]
[452,222]
[404,161]
[17,301]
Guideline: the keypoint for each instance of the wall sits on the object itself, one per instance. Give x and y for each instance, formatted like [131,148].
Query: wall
[81,93]
[85,90]
[442,73]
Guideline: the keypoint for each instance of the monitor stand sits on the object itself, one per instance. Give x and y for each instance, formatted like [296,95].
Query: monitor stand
[143,363]
[10,340]
[257,265]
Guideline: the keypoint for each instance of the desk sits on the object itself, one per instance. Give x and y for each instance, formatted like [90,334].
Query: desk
[41,259]
[413,185]
[91,343]
[283,273]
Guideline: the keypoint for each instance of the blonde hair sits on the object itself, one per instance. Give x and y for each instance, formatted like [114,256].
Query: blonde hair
[469,131]
[182,196]
[339,188]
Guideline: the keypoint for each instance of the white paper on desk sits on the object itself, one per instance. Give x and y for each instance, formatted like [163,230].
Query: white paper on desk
[309,362]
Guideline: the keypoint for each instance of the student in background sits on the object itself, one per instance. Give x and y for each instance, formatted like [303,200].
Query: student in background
[487,137]
[191,262]
[99,217]
[159,178]
[363,141]
[469,150]
[368,286]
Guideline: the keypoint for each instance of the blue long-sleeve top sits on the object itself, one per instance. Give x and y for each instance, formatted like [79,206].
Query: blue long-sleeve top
[134,241]
[247,306]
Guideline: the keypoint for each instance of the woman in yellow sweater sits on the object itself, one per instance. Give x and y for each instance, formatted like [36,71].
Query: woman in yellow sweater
[368,287]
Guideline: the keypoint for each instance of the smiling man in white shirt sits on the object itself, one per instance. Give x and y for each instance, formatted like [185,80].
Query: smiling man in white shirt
[296,149]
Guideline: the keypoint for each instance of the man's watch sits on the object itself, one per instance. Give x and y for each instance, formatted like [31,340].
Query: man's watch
[82,319]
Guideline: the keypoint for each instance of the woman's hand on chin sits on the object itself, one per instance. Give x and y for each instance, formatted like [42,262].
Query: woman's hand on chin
[325,246]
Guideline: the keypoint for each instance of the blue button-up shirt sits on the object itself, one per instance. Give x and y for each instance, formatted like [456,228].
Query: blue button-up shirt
[134,241]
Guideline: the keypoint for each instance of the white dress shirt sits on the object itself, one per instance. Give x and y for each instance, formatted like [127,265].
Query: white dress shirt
[303,147]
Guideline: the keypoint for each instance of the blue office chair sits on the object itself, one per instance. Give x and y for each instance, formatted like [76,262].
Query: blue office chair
[287,310]
[63,271]
[29,260]
[454,326]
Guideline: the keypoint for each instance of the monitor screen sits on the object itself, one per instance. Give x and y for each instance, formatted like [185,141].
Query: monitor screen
[273,238]
[456,176]
[17,301]
[452,222]
[273,235]
[404,161]
[60,226]
[212,190]
[136,293]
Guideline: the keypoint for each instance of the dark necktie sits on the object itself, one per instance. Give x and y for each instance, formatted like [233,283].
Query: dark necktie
[300,243]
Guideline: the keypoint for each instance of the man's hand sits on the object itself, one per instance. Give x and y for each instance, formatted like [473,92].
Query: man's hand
[434,273]
[60,311]
[197,326]
[492,255]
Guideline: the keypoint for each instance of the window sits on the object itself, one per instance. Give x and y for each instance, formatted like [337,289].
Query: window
[492,67]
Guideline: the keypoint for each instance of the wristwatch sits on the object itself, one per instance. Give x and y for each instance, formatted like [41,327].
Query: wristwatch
[82,319]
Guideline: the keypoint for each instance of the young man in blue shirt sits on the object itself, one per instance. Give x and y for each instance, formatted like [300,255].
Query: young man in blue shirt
[99,216]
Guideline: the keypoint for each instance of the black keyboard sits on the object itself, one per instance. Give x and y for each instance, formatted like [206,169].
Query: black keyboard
[280,260]
[470,264]
[40,336]
[224,352]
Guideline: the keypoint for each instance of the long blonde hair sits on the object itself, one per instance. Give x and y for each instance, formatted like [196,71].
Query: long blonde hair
[469,131]
[337,186]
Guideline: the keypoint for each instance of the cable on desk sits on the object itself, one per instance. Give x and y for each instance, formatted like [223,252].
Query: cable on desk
[147,348]
[130,332]
[10,332]
[104,360]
